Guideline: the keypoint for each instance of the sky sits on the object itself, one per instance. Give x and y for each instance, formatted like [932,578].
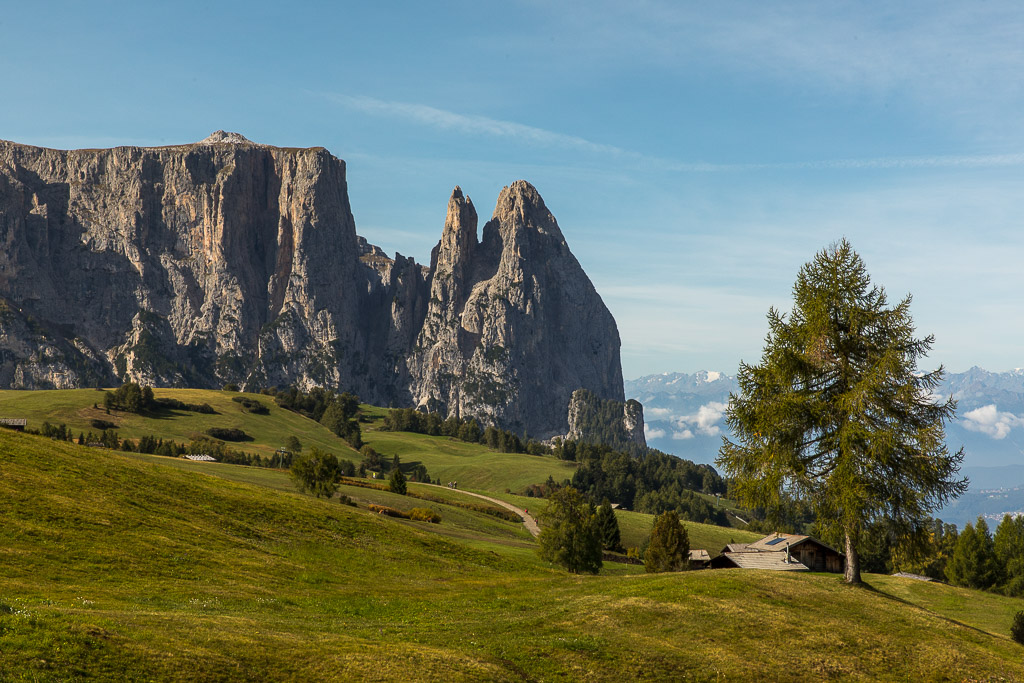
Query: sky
[695,155]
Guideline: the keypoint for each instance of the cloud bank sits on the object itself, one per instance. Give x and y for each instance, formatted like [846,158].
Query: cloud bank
[989,420]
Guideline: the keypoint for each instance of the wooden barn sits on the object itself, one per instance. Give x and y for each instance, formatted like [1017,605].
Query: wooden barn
[782,552]
[16,423]
[699,559]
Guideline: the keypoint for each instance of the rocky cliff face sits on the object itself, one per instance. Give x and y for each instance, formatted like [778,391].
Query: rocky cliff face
[227,260]
[619,424]
[513,324]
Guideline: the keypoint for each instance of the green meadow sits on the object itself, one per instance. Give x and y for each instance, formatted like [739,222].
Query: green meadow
[120,566]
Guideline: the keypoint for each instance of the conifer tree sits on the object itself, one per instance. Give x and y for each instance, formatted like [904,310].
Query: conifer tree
[396,484]
[570,535]
[1009,549]
[669,547]
[973,564]
[317,472]
[837,413]
[609,526]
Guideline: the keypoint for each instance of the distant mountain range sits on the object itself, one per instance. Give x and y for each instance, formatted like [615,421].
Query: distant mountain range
[685,415]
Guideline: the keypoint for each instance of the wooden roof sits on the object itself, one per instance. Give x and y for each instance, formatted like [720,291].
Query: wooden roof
[779,541]
[13,421]
[699,555]
[735,548]
[774,560]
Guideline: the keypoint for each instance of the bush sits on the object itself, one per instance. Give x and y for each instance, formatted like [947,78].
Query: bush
[102,424]
[385,510]
[250,405]
[230,386]
[424,515]
[228,434]
[1017,629]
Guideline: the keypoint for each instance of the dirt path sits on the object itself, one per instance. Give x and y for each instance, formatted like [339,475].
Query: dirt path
[528,520]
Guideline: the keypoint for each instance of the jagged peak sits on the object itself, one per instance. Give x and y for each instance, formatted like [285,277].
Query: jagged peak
[461,213]
[521,203]
[225,137]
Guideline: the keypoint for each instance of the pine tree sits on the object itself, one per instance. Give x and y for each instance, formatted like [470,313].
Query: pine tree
[396,484]
[973,564]
[570,535]
[669,547]
[609,526]
[317,472]
[837,413]
[1009,549]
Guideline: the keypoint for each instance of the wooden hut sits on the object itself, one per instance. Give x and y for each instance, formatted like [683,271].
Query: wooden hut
[783,552]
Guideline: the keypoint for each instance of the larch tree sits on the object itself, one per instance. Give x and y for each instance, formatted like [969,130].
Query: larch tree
[838,414]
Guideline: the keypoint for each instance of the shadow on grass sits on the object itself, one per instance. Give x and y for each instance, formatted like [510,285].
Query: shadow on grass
[864,585]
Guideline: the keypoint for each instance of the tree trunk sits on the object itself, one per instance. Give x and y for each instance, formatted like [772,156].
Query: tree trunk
[852,571]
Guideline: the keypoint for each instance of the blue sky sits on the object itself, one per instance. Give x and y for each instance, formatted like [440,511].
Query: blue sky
[694,154]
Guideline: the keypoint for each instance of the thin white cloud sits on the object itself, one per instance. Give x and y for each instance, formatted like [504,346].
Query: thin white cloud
[682,435]
[470,123]
[474,124]
[989,420]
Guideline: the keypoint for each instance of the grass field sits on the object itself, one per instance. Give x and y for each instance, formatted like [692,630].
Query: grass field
[74,407]
[635,527]
[472,465]
[121,568]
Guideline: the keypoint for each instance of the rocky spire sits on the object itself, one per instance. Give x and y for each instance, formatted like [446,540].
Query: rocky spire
[458,242]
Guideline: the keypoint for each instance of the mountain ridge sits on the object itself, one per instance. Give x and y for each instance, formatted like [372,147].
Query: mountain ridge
[229,261]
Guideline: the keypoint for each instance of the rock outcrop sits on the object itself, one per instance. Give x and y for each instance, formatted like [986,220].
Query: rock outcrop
[619,424]
[230,261]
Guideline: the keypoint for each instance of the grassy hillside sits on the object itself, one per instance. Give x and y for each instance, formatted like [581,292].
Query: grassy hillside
[118,568]
[74,407]
[635,527]
[472,465]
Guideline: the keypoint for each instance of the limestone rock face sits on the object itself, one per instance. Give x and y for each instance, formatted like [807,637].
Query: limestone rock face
[605,421]
[230,261]
[513,324]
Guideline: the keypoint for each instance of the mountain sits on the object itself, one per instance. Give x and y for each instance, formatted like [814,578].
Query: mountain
[230,261]
[685,415]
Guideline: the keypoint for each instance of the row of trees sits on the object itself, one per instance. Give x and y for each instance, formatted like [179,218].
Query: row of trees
[466,429]
[167,447]
[575,533]
[320,472]
[979,560]
[651,481]
[337,412]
